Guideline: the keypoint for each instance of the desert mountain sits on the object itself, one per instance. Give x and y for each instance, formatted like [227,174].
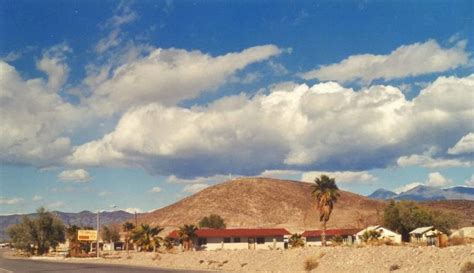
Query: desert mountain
[422,192]
[264,202]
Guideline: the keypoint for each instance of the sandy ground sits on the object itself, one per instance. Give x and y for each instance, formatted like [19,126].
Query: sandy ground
[329,259]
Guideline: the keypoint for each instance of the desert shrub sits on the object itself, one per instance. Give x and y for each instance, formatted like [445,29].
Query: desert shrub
[457,241]
[311,263]
[468,267]
[337,240]
[394,267]
[296,240]
[212,221]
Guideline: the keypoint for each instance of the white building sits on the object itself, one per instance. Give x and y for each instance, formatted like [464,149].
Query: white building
[385,234]
[238,238]
[424,234]
[465,232]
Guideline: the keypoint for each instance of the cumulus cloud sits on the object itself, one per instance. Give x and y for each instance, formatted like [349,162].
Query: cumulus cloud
[10,201]
[341,177]
[194,188]
[408,187]
[34,118]
[133,210]
[405,61]
[77,176]
[325,127]
[470,182]
[55,205]
[430,162]
[436,179]
[53,64]
[37,198]
[167,76]
[464,146]
[199,180]
[155,189]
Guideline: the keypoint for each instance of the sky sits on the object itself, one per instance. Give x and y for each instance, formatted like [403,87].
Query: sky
[136,105]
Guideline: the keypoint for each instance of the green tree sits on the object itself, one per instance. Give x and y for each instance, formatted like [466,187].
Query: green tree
[110,234]
[370,235]
[146,237]
[296,240]
[127,227]
[326,193]
[38,235]
[212,221]
[187,233]
[405,216]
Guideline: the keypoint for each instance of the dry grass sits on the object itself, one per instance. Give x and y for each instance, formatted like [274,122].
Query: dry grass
[468,267]
[394,267]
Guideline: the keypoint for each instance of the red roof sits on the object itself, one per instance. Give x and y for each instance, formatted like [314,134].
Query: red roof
[237,232]
[330,232]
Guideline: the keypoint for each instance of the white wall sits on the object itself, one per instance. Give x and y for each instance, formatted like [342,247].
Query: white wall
[216,243]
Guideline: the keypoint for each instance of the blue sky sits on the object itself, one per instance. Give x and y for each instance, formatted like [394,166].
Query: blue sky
[156,100]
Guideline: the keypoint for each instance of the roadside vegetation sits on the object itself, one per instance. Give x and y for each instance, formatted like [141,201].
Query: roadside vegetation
[37,235]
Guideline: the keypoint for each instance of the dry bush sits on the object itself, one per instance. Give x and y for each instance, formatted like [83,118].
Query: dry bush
[390,243]
[394,267]
[311,263]
[457,241]
[468,267]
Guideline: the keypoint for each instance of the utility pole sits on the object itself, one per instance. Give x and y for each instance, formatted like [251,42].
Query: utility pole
[98,228]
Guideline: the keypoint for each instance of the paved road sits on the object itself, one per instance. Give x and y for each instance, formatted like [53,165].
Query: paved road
[24,266]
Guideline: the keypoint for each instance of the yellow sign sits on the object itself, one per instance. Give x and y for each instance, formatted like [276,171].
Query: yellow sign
[87,235]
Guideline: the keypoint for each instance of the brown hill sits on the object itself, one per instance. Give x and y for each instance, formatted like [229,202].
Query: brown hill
[265,202]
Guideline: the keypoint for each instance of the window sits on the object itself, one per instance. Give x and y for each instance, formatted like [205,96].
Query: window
[202,241]
[260,240]
[237,240]
[227,240]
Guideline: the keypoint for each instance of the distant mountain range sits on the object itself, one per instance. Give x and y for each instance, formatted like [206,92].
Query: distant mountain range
[83,218]
[424,193]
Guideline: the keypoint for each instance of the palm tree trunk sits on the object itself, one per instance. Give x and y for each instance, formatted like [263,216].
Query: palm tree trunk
[323,235]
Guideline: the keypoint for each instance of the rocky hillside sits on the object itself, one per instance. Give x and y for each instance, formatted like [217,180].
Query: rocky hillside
[263,202]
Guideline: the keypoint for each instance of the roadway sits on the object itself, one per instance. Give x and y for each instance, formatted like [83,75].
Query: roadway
[27,266]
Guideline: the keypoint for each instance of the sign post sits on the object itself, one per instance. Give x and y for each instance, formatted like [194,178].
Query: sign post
[87,235]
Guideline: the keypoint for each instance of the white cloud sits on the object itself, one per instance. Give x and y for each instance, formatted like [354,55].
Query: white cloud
[463,146]
[325,126]
[53,64]
[104,193]
[10,201]
[437,180]
[470,182]
[407,60]
[34,119]
[155,189]
[281,174]
[106,43]
[429,162]
[37,198]
[407,187]
[167,76]
[194,188]
[341,177]
[55,205]
[133,210]
[77,176]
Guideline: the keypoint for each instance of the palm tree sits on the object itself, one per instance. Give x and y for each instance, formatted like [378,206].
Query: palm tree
[127,227]
[187,233]
[74,244]
[146,237]
[326,193]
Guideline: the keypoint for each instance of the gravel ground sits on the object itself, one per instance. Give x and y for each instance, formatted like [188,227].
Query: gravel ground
[329,259]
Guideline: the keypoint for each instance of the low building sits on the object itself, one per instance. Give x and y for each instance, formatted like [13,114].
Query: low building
[424,235]
[238,238]
[314,237]
[384,234]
